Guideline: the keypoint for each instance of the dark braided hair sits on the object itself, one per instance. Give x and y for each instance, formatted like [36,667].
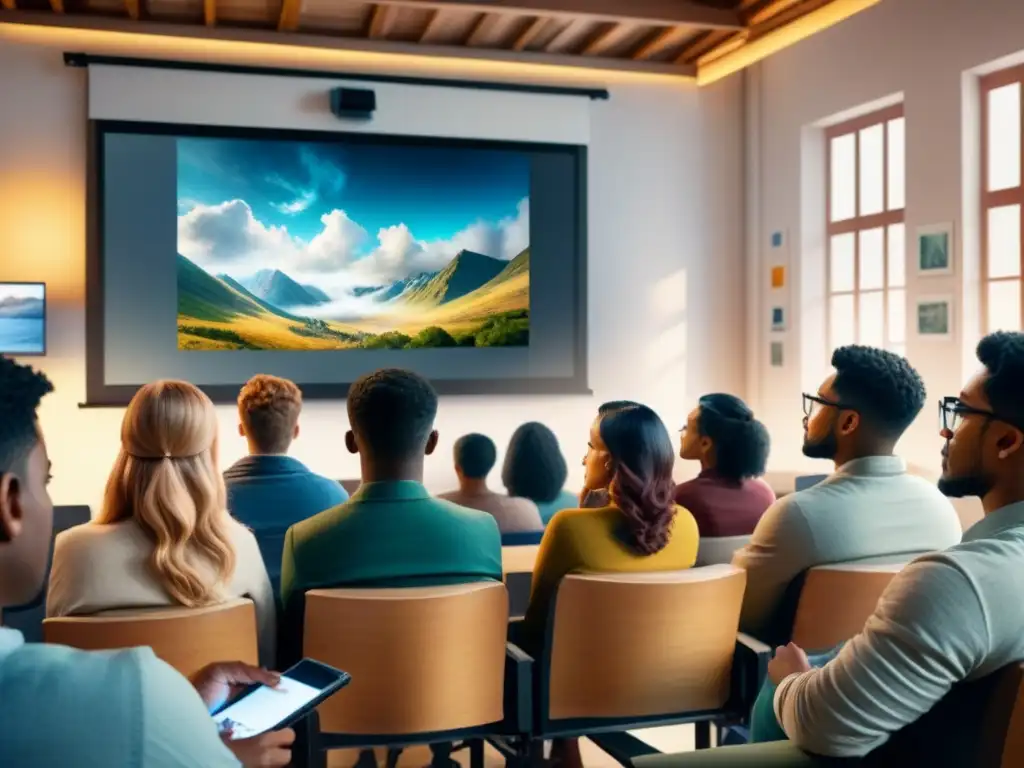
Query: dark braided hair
[642,486]
[21,390]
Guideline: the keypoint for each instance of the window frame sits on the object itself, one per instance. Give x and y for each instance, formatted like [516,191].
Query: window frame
[1003,197]
[859,223]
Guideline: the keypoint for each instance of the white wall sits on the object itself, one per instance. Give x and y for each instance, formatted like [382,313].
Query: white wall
[924,50]
[665,174]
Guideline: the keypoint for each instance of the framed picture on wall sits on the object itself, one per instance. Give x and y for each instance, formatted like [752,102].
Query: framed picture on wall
[935,250]
[935,317]
[778,319]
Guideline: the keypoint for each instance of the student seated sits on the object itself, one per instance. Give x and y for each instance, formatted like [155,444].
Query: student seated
[728,497]
[163,536]
[391,533]
[63,706]
[535,469]
[629,522]
[634,525]
[269,491]
[868,507]
[946,618]
[475,456]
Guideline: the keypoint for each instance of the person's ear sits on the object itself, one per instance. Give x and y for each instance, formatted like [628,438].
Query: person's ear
[295,432]
[10,508]
[241,429]
[706,445]
[350,442]
[431,442]
[848,422]
[1010,443]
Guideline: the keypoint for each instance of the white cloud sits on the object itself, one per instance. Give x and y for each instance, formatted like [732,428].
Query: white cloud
[228,238]
[334,246]
[298,205]
[225,234]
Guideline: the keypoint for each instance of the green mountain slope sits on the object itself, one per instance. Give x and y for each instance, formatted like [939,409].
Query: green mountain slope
[517,266]
[204,297]
[467,272]
[232,283]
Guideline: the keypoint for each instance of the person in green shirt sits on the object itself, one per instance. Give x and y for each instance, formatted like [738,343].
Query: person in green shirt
[391,533]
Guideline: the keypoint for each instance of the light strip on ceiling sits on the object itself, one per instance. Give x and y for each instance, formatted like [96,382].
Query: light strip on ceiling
[781,38]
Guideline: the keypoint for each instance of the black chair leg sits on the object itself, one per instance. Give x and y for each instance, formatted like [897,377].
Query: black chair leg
[476,753]
[392,758]
[306,751]
[702,735]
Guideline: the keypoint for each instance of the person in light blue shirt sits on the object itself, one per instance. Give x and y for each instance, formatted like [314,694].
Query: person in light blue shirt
[65,707]
[535,469]
[269,491]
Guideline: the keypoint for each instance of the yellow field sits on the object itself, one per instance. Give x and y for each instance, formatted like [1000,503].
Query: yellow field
[269,331]
[462,314]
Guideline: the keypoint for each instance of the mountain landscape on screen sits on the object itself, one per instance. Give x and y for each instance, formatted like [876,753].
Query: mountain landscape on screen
[275,251]
[22,318]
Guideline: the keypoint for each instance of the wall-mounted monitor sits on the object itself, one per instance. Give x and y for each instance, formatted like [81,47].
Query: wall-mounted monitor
[218,253]
[22,318]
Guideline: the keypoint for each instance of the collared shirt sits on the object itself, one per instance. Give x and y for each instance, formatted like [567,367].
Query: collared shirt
[65,707]
[722,507]
[947,617]
[511,513]
[270,493]
[389,534]
[868,508]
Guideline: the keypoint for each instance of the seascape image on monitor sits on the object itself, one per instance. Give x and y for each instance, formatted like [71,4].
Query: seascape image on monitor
[22,318]
[291,245]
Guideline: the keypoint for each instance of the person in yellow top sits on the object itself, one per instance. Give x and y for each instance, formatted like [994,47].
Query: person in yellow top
[627,523]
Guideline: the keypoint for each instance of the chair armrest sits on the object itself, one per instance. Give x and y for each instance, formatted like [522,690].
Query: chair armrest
[749,670]
[518,689]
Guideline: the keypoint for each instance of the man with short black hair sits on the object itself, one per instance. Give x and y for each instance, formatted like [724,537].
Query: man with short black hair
[391,533]
[946,618]
[869,507]
[475,456]
[63,706]
[268,490]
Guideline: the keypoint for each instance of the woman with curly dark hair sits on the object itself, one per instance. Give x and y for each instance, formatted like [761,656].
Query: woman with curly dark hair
[629,522]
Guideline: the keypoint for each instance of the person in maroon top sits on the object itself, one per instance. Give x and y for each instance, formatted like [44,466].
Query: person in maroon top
[729,496]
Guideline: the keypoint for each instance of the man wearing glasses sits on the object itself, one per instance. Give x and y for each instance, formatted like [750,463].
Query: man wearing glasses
[869,507]
[947,617]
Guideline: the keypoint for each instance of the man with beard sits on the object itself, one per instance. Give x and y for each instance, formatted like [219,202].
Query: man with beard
[869,507]
[948,617]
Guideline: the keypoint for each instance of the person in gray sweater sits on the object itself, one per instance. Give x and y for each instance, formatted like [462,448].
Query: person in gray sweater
[869,507]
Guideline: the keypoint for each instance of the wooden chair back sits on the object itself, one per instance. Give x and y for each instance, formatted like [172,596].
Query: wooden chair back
[836,600]
[186,638]
[641,645]
[422,659]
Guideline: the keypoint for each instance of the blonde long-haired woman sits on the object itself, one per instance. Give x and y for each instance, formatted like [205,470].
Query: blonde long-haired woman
[163,536]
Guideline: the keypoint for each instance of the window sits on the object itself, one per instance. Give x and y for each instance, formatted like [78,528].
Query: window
[866,269]
[1002,196]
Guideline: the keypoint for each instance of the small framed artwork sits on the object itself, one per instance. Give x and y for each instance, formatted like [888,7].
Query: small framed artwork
[935,317]
[778,276]
[778,319]
[935,250]
[776,354]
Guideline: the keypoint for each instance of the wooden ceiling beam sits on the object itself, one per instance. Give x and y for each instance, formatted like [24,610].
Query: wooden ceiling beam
[605,39]
[760,12]
[700,45]
[652,12]
[728,45]
[656,44]
[10,5]
[527,35]
[431,26]
[210,13]
[380,21]
[480,29]
[291,14]
[57,6]
[565,35]
[133,8]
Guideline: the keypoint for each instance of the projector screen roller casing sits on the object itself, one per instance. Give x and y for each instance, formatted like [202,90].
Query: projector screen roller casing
[132,299]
